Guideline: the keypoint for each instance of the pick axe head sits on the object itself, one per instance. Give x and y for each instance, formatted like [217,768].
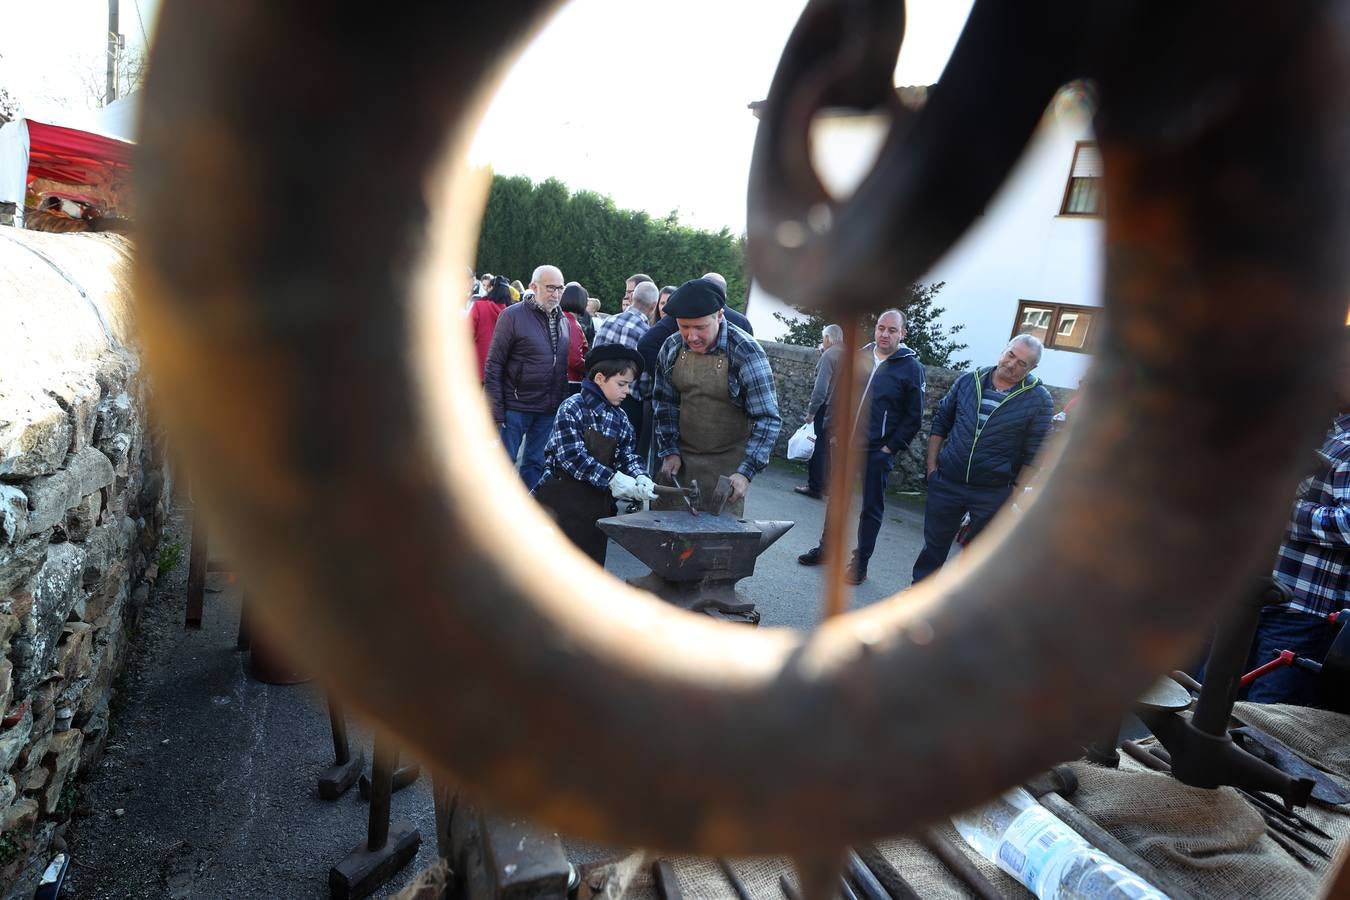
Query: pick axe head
[721,495]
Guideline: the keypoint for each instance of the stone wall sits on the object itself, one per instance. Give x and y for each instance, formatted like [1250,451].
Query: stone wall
[794,370]
[82,501]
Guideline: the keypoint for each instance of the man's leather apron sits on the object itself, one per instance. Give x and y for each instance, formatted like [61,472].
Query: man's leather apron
[713,430]
[575,505]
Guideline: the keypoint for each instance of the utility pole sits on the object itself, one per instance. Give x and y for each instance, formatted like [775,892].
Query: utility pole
[114,50]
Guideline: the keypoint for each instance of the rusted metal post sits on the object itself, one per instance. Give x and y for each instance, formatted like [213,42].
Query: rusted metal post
[387,848]
[842,475]
[1216,213]
[337,778]
[381,792]
[196,585]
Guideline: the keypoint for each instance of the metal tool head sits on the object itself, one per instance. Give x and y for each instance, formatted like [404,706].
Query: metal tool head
[691,496]
[720,496]
[1166,694]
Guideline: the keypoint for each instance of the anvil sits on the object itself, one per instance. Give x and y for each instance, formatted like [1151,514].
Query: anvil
[696,561]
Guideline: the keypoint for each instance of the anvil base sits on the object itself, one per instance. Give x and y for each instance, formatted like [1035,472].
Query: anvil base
[718,599]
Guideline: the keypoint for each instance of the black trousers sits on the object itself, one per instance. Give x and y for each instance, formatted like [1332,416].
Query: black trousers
[817,470]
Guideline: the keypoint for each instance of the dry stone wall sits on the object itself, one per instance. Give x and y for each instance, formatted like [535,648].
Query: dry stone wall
[82,503]
[794,371]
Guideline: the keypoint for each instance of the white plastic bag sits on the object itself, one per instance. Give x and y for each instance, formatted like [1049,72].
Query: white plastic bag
[803,443]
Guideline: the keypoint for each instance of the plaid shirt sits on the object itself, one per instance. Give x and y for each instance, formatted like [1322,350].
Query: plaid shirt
[749,386]
[566,447]
[626,328]
[1314,560]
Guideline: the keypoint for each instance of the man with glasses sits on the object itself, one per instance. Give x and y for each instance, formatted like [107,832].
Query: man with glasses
[526,372]
[986,432]
[628,286]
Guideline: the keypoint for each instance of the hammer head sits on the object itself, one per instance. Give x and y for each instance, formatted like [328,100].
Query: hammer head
[721,495]
[695,495]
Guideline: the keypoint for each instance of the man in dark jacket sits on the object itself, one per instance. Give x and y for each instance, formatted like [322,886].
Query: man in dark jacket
[892,404]
[526,372]
[985,432]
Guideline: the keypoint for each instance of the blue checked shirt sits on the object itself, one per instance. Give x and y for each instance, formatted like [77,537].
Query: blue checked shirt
[1314,560]
[626,328]
[749,385]
[566,447]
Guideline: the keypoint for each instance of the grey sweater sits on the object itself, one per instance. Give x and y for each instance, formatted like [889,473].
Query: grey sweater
[825,373]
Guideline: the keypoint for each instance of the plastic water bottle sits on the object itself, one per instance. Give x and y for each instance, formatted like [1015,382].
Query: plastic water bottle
[1048,857]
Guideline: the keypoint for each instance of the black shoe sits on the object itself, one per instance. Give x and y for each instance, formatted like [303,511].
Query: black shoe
[856,572]
[807,491]
[812,557]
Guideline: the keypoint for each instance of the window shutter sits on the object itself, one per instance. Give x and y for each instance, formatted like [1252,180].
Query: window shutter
[1087,162]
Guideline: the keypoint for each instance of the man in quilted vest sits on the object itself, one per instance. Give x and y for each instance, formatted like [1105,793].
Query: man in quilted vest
[986,431]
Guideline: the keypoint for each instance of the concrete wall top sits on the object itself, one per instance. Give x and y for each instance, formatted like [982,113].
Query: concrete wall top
[65,319]
[65,300]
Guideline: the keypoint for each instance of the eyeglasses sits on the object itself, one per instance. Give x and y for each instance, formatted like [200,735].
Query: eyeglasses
[553,288]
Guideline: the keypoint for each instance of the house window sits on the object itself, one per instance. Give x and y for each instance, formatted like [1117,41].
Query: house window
[1083,193]
[1033,319]
[1058,326]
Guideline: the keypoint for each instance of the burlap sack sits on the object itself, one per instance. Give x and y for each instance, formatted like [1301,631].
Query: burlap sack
[1208,843]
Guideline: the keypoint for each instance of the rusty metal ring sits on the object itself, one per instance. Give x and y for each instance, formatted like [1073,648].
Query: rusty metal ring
[304,232]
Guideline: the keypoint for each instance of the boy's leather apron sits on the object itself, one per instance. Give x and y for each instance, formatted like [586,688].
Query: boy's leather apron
[713,430]
[576,505]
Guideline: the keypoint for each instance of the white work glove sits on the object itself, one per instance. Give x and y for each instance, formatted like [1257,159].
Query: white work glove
[623,487]
[646,488]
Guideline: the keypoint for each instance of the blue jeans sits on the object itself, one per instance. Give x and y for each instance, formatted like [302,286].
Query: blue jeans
[1288,629]
[947,503]
[533,429]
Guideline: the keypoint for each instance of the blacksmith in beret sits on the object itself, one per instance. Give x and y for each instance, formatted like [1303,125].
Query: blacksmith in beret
[714,400]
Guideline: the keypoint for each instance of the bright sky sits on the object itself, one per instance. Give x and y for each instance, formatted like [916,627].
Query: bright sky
[646,101]
[643,100]
[50,48]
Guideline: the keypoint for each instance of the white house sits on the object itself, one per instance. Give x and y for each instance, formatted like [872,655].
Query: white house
[1032,262]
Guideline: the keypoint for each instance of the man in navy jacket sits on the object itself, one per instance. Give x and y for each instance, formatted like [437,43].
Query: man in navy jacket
[893,405]
[985,432]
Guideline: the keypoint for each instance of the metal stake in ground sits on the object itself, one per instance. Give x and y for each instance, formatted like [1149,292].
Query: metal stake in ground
[386,848]
[337,778]
[403,776]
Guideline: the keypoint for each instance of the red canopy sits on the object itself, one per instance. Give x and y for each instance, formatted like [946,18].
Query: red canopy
[75,157]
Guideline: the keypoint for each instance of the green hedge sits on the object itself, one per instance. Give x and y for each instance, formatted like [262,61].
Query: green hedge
[596,243]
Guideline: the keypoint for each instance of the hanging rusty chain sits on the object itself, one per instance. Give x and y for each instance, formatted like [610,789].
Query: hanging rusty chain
[307,220]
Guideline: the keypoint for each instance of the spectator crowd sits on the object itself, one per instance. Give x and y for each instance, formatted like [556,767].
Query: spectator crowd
[675,389]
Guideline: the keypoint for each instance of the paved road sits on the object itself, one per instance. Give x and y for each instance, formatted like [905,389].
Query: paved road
[215,773]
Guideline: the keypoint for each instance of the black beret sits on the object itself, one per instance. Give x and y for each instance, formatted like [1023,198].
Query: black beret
[695,299]
[606,352]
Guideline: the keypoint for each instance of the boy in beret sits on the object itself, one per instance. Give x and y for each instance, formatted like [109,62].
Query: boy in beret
[589,458]
[714,400]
